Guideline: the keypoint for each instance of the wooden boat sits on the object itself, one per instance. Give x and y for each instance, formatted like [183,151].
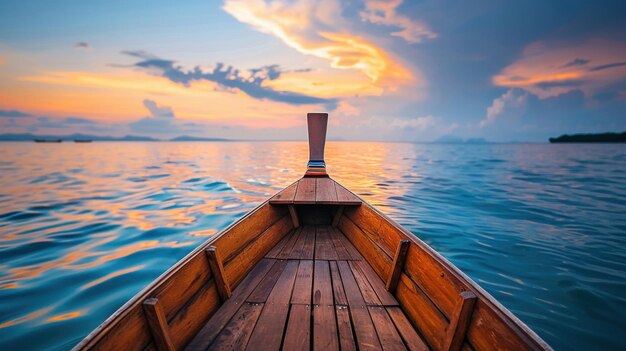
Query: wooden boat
[313,267]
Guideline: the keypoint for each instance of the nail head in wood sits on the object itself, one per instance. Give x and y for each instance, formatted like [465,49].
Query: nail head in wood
[397,265]
[217,269]
[157,322]
[459,322]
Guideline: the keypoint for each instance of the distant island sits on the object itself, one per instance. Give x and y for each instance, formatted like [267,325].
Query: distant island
[591,138]
[90,138]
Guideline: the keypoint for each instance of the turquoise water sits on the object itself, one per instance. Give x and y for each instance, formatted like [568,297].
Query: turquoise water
[85,227]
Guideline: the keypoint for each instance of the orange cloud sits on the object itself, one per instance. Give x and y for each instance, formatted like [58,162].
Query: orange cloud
[315,28]
[548,69]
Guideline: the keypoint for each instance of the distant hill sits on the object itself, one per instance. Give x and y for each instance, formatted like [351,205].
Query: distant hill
[71,137]
[192,138]
[591,138]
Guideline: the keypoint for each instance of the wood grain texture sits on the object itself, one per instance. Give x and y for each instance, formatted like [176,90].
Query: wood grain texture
[325,192]
[217,270]
[271,324]
[212,328]
[385,329]
[157,323]
[455,332]
[344,328]
[338,292]
[385,297]
[286,195]
[397,265]
[305,194]
[298,331]
[236,333]
[325,337]
[411,339]
[304,284]
[322,284]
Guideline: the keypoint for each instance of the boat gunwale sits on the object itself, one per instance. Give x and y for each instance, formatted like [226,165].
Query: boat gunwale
[100,331]
[505,314]
[493,303]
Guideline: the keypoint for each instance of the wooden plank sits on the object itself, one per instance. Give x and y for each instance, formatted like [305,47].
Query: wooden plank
[236,333]
[338,242]
[239,237]
[325,337]
[344,327]
[352,251]
[194,314]
[183,285]
[239,267]
[294,216]
[397,264]
[275,251]
[298,247]
[386,298]
[285,253]
[269,329]
[212,328]
[324,248]
[325,192]
[337,216]
[157,323]
[377,258]
[322,284]
[386,330]
[411,339]
[286,195]
[338,292]
[298,332]
[366,337]
[217,269]
[131,332]
[304,283]
[345,197]
[353,293]
[455,333]
[264,288]
[369,295]
[305,194]
[308,250]
[421,311]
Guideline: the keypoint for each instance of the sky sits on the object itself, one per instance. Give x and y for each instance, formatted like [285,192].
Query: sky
[384,70]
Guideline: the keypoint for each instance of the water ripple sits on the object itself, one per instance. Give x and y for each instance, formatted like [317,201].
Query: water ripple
[541,227]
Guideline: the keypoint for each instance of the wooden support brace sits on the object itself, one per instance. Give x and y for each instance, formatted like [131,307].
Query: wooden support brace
[459,321]
[157,323]
[215,262]
[337,216]
[294,216]
[398,263]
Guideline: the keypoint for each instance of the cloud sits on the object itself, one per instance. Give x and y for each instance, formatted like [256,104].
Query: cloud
[384,12]
[549,69]
[511,103]
[576,62]
[14,113]
[162,120]
[316,28]
[230,78]
[82,46]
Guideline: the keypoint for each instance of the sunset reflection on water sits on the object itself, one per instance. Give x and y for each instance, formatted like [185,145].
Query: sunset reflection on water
[85,227]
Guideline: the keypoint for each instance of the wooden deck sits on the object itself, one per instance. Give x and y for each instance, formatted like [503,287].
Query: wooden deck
[315,190]
[313,290]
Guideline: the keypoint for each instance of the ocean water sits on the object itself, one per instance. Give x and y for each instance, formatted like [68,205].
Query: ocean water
[83,227]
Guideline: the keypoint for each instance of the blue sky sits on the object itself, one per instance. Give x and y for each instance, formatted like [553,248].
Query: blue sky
[384,70]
